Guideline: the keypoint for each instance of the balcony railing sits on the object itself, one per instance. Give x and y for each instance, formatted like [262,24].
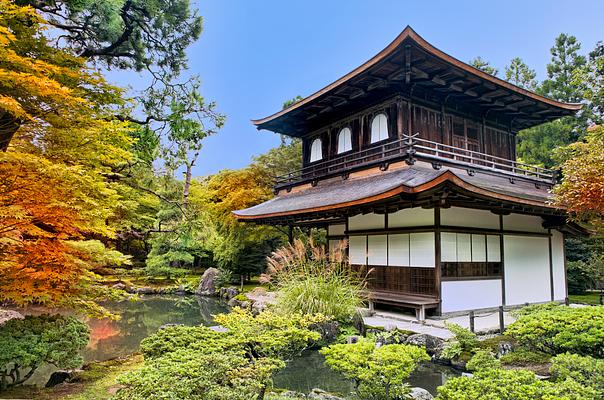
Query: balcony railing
[411,147]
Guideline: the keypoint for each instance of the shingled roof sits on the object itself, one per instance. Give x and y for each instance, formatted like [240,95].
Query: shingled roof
[411,63]
[337,194]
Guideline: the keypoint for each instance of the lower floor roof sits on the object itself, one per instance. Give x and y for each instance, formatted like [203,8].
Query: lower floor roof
[401,182]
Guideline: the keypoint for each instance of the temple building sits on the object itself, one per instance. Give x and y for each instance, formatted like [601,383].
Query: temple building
[411,157]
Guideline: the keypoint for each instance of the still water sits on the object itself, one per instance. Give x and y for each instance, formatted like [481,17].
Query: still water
[139,319]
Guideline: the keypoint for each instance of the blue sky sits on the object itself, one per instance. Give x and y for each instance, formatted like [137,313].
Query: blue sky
[254,55]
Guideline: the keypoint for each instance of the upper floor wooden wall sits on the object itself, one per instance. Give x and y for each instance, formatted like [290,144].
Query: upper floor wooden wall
[438,124]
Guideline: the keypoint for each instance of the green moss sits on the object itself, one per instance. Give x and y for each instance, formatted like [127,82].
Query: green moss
[523,357]
[494,342]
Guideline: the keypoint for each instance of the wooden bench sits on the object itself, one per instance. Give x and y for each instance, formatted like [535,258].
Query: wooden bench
[419,303]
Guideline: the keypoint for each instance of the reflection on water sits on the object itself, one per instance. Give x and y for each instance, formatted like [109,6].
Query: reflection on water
[139,319]
[304,373]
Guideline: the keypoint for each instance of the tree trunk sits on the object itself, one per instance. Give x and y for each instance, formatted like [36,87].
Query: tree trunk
[188,177]
[8,127]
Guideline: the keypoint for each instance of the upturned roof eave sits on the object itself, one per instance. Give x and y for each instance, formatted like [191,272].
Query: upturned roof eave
[409,33]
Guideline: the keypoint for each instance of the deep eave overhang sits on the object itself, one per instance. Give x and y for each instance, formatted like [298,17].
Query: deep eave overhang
[555,109]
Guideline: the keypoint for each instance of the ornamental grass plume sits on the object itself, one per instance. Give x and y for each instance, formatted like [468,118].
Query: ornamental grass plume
[311,280]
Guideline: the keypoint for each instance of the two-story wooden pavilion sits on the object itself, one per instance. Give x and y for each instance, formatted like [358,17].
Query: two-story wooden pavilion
[412,158]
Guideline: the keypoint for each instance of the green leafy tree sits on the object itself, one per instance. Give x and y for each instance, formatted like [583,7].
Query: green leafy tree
[520,74]
[591,78]
[26,344]
[535,145]
[378,372]
[126,34]
[483,65]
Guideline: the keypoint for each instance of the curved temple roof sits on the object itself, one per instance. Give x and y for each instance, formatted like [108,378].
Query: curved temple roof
[414,62]
[408,181]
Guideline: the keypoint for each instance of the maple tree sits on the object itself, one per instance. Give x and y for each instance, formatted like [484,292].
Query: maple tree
[54,189]
[582,190]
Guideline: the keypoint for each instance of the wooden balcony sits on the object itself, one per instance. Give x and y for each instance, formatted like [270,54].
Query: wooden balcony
[409,148]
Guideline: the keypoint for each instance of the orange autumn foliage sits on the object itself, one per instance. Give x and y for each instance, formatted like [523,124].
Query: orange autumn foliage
[582,189]
[53,187]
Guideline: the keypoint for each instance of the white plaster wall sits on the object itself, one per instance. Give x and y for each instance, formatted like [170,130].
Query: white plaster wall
[336,230]
[523,223]
[558,265]
[493,248]
[411,217]
[448,246]
[357,250]
[377,250]
[398,250]
[422,250]
[366,221]
[470,295]
[526,263]
[468,217]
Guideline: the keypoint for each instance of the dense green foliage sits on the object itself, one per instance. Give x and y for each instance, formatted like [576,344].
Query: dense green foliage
[555,329]
[586,370]
[378,371]
[26,344]
[491,384]
[483,359]
[464,342]
[309,280]
[198,363]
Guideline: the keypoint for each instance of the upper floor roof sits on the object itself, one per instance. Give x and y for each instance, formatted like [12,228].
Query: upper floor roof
[413,66]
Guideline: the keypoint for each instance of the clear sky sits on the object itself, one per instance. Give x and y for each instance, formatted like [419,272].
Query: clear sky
[254,55]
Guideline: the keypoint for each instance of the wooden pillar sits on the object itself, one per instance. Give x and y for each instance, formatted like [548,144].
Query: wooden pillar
[437,257]
[290,234]
[502,259]
[399,118]
[551,264]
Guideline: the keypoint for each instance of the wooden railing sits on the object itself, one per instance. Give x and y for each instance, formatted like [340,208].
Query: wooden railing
[410,147]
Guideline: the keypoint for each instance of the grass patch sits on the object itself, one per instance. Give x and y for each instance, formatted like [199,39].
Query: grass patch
[587,298]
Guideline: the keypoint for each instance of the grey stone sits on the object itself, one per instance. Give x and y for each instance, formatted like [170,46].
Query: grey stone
[320,394]
[219,328]
[207,285]
[290,394]
[7,315]
[58,377]
[504,348]
[119,286]
[230,292]
[420,394]
[432,344]
[145,290]
[329,330]
[244,304]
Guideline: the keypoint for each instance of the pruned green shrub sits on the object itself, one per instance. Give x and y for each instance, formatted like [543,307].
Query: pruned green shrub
[198,363]
[310,281]
[586,370]
[483,359]
[555,329]
[500,384]
[378,372]
[464,342]
[27,343]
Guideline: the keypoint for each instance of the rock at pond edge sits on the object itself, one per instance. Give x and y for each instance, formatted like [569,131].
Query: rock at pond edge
[207,285]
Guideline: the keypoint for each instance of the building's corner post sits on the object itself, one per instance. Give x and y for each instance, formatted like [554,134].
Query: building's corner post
[437,258]
[290,233]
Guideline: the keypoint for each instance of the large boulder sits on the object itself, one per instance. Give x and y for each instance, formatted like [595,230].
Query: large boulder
[432,344]
[207,285]
[418,393]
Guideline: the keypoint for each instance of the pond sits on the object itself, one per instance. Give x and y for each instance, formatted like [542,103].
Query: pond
[139,319]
